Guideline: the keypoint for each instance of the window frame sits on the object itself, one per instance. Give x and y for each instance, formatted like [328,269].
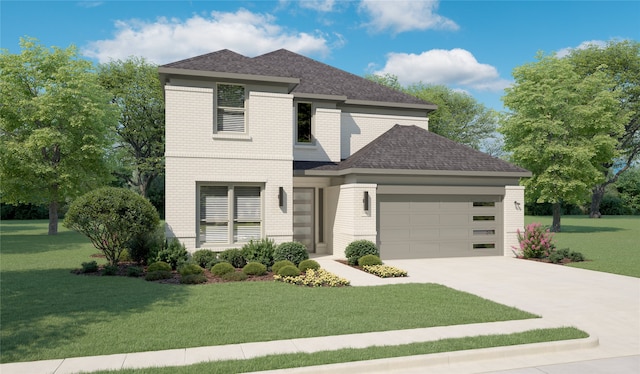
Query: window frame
[232,220]
[312,139]
[218,107]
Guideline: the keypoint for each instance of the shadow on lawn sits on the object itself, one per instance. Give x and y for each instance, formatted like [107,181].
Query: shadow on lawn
[576,229]
[44,309]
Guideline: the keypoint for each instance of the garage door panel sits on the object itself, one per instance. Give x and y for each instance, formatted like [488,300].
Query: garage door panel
[432,226]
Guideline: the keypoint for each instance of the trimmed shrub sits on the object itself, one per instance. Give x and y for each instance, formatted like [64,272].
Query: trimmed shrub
[159,265]
[359,248]
[368,260]
[236,276]
[556,257]
[157,275]
[174,253]
[293,251]
[89,267]
[280,264]
[193,279]
[144,248]
[110,270]
[190,269]
[289,271]
[234,257]
[134,271]
[308,264]
[259,251]
[254,268]
[576,257]
[110,217]
[535,241]
[222,268]
[204,257]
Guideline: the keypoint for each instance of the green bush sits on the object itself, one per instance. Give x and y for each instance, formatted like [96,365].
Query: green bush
[110,217]
[293,251]
[234,257]
[204,257]
[280,264]
[124,256]
[134,271]
[236,276]
[174,253]
[556,257]
[157,275]
[359,248]
[193,279]
[144,248]
[254,268]
[89,267]
[222,268]
[190,269]
[576,257]
[308,264]
[368,260]
[110,270]
[159,265]
[259,251]
[289,271]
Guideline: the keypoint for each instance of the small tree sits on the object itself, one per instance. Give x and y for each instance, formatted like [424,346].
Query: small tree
[111,217]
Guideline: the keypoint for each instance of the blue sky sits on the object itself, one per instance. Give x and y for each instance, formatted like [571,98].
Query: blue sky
[467,45]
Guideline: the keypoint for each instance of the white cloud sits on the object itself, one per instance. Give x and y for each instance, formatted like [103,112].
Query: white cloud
[586,44]
[456,67]
[167,40]
[401,16]
[318,5]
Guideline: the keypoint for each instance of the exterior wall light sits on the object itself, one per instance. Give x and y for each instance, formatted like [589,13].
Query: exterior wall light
[281,196]
[365,201]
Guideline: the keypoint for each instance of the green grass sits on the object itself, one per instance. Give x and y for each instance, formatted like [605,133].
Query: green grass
[47,312]
[352,354]
[610,244]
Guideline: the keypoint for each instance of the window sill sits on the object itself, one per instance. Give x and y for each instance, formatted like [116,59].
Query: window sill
[230,136]
[305,146]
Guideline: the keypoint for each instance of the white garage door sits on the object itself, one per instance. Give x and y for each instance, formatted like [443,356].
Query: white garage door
[430,226]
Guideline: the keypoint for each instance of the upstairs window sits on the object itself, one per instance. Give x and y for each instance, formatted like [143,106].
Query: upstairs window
[230,108]
[303,129]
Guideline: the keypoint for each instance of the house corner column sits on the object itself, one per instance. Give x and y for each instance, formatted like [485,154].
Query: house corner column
[356,216]
[513,205]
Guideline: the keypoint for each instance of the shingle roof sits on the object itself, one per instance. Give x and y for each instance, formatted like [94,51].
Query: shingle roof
[315,77]
[414,148]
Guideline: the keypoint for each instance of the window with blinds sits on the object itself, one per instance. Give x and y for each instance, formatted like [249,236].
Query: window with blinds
[230,108]
[230,214]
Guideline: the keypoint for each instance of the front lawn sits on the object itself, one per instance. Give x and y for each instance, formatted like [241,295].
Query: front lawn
[47,312]
[610,244]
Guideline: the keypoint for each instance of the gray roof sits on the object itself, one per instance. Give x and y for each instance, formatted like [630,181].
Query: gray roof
[316,78]
[414,148]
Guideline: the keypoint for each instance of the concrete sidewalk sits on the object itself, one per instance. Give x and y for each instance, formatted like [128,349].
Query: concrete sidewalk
[606,306]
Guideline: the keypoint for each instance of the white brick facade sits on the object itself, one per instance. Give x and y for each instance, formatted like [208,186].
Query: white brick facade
[513,205]
[352,222]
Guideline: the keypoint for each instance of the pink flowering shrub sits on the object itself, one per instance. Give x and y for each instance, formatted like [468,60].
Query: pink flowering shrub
[535,242]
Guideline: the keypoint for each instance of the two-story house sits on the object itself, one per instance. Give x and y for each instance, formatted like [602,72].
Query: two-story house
[285,147]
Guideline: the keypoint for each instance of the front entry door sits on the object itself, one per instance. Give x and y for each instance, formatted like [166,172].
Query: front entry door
[303,214]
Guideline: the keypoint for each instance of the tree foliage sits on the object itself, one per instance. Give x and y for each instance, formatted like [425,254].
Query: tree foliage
[620,61]
[54,127]
[459,116]
[562,127]
[111,217]
[135,88]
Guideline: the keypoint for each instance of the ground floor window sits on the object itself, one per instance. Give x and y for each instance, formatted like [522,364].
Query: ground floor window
[230,214]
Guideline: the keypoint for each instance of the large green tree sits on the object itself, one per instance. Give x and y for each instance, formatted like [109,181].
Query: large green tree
[136,89]
[55,121]
[620,61]
[563,127]
[459,116]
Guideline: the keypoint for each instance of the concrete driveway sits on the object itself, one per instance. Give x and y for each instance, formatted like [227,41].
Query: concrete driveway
[604,305]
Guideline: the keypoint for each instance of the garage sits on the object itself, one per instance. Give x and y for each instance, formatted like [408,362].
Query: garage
[432,226]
